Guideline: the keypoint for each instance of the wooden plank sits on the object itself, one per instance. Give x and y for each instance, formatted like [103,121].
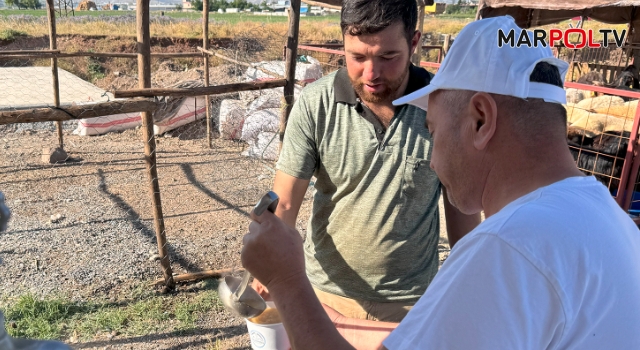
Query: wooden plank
[202,91]
[46,54]
[198,276]
[71,112]
[229,59]
[322,4]
[20,52]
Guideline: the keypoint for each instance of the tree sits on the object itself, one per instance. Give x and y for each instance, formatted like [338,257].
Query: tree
[215,5]
[197,4]
[34,4]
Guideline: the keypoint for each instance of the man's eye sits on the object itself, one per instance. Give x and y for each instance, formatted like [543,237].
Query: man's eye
[388,58]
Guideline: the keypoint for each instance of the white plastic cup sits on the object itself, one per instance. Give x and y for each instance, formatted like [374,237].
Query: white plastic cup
[268,336]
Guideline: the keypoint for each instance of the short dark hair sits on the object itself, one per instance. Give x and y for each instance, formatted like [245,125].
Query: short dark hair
[547,73]
[533,116]
[362,17]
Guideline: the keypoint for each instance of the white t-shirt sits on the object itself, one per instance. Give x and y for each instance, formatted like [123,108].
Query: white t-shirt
[558,268]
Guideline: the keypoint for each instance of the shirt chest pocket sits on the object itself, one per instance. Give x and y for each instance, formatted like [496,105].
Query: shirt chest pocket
[418,179]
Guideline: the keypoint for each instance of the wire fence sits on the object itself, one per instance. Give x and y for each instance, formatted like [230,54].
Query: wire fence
[602,119]
[97,208]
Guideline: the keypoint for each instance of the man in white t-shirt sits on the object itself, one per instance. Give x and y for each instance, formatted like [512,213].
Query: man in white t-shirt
[556,264]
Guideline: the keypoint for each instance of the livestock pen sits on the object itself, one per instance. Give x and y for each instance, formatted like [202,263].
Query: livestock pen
[107,210]
[33,96]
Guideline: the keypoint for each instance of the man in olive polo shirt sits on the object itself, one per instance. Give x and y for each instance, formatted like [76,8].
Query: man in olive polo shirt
[371,245]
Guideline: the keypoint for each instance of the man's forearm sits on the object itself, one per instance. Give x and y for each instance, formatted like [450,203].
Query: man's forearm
[307,323]
[291,191]
[287,214]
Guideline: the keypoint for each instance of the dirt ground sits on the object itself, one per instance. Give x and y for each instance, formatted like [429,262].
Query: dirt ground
[85,228]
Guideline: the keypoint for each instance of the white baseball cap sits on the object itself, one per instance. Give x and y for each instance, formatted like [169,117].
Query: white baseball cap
[476,63]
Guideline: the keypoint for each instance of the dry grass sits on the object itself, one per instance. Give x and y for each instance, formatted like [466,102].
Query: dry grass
[445,26]
[316,30]
[309,30]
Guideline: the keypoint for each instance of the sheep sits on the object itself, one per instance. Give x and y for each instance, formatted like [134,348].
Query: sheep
[601,155]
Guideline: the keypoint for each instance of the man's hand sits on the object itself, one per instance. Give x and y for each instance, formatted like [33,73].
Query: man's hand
[261,289]
[272,250]
[273,253]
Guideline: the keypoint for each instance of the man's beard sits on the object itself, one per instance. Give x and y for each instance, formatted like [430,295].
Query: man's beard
[388,94]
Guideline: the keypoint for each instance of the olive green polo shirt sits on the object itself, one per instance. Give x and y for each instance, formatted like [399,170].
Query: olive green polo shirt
[374,229]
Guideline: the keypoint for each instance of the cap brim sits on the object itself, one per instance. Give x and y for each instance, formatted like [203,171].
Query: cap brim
[418,98]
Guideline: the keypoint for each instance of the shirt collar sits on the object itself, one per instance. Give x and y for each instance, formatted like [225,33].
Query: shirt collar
[344,92]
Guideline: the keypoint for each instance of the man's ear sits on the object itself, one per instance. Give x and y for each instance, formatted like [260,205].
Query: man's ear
[415,41]
[483,112]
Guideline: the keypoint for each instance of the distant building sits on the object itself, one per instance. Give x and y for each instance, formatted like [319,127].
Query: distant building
[435,9]
[158,6]
[186,5]
[232,10]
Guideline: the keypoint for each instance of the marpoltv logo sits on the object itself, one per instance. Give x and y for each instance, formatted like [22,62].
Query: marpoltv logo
[586,38]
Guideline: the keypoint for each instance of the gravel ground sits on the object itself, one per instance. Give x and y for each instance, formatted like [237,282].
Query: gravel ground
[84,228]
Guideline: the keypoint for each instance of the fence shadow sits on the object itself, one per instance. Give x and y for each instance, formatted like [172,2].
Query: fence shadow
[137,222]
[219,333]
[188,172]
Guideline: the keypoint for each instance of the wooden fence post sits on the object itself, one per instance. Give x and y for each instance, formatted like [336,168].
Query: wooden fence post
[51,13]
[205,45]
[144,78]
[417,55]
[446,44]
[290,64]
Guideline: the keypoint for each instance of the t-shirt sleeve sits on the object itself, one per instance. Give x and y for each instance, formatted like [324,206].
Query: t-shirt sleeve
[486,296]
[299,155]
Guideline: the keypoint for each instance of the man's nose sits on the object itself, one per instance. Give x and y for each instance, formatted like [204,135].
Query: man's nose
[371,71]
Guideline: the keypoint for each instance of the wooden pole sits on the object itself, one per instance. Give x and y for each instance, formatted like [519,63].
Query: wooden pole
[446,44]
[22,52]
[417,55]
[197,276]
[229,59]
[72,112]
[202,91]
[51,13]
[144,80]
[205,46]
[25,54]
[290,64]
[321,4]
